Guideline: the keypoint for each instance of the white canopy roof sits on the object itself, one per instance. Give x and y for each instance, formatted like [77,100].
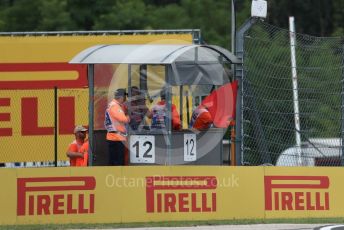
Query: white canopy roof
[149,54]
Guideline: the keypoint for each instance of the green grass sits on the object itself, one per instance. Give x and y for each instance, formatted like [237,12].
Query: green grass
[175,223]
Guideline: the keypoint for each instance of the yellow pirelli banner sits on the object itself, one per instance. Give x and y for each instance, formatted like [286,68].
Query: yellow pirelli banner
[30,68]
[158,193]
[30,135]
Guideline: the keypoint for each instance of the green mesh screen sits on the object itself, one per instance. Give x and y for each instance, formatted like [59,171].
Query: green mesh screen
[268,106]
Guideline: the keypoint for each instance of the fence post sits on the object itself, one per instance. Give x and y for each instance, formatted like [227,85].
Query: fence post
[342,109]
[239,74]
[55,126]
[292,36]
[90,113]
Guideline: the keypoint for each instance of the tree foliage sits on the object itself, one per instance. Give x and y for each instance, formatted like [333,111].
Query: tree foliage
[315,17]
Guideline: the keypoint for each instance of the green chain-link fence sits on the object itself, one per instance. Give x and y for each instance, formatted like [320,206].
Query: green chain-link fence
[268,105]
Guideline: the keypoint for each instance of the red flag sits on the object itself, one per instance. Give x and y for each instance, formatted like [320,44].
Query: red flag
[221,104]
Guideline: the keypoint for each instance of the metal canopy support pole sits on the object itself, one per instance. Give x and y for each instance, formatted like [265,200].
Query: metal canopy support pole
[168,73]
[187,108]
[181,103]
[90,113]
[295,90]
[129,95]
[55,125]
[239,74]
[143,79]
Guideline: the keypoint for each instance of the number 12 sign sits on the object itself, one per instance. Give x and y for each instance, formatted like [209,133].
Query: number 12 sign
[142,149]
[190,147]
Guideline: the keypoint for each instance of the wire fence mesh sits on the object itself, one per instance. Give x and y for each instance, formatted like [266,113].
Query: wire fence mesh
[268,105]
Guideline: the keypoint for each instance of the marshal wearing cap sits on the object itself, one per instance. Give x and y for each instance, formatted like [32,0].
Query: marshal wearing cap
[79,128]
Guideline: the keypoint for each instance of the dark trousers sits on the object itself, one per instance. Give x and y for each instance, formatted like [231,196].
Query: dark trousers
[116,152]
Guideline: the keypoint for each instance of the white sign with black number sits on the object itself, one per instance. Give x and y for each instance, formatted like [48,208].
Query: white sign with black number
[142,149]
[190,153]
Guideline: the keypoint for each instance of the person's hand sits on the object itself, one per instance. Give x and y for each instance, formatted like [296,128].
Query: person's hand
[196,131]
[230,122]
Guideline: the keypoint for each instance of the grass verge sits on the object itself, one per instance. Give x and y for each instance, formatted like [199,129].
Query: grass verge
[175,223]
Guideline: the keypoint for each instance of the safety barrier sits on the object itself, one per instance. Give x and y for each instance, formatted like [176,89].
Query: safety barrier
[157,193]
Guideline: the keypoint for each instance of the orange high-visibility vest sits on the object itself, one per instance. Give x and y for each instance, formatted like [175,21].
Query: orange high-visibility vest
[84,150]
[74,147]
[201,119]
[115,122]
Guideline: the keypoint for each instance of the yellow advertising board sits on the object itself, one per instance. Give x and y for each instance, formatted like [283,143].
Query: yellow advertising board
[296,192]
[30,126]
[170,193]
[48,49]
[130,194]
[30,68]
